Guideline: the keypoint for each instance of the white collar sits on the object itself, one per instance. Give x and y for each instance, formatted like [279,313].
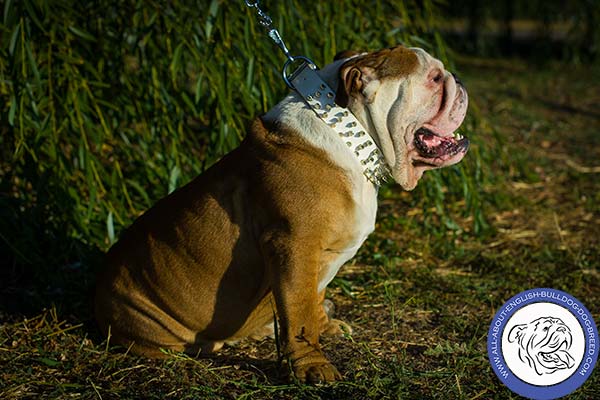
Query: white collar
[321,99]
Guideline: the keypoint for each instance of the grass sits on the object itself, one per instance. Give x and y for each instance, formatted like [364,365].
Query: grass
[420,300]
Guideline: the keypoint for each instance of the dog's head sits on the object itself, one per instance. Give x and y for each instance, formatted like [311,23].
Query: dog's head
[411,106]
[544,344]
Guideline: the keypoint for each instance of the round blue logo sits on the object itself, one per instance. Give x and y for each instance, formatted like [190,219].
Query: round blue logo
[542,344]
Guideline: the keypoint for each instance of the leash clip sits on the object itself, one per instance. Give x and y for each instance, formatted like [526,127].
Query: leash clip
[265,20]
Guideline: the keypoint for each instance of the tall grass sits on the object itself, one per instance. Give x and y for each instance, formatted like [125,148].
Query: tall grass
[108,105]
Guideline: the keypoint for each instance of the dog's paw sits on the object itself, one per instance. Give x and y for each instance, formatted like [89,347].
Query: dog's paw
[336,327]
[317,372]
[313,368]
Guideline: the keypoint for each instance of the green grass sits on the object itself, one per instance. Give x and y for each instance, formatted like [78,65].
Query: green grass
[101,115]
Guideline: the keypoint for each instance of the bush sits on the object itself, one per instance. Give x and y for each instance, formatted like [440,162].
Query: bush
[108,105]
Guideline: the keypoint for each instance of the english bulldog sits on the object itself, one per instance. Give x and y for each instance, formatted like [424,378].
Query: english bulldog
[263,231]
[544,344]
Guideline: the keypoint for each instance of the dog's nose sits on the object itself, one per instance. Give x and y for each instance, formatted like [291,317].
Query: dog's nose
[458,81]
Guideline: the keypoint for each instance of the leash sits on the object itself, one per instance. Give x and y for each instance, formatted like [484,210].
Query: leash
[321,99]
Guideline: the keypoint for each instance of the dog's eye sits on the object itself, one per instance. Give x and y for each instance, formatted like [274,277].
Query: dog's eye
[436,76]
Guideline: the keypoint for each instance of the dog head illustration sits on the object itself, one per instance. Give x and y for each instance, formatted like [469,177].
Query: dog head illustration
[544,344]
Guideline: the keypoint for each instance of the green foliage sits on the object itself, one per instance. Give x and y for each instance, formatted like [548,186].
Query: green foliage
[108,105]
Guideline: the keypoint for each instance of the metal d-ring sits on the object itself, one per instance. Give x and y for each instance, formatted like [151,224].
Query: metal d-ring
[291,60]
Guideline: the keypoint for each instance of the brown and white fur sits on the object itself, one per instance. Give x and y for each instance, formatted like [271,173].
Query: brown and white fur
[265,229]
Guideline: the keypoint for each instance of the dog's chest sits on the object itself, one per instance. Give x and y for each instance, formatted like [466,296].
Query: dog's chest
[365,199]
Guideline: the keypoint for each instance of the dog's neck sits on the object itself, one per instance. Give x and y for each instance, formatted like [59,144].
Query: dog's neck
[327,126]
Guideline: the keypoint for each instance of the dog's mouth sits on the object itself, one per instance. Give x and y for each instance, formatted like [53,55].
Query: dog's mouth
[555,355]
[437,149]
[436,143]
[558,357]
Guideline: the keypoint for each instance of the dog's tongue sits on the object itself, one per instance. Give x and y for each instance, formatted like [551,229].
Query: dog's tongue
[560,359]
[431,145]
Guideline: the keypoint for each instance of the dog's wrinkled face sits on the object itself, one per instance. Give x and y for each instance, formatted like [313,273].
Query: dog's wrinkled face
[544,344]
[411,106]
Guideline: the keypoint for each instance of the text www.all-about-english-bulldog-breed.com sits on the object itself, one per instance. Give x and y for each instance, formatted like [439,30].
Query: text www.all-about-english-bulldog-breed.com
[264,230]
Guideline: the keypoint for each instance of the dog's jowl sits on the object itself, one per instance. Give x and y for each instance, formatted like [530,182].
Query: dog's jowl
[265,229]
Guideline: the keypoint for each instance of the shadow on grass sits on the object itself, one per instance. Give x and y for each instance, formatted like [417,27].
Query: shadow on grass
[271,371]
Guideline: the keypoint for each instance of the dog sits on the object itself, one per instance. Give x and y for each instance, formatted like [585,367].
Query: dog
[544,344]
[264,230]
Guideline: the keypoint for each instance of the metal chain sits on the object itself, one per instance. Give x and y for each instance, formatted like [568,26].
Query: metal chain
[265,20]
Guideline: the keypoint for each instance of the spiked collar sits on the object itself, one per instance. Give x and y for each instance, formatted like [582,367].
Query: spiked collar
[321,99]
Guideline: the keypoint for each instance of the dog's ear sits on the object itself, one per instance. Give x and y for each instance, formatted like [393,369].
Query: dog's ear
[346,81]
[358,72]
[516,333]
[352,80]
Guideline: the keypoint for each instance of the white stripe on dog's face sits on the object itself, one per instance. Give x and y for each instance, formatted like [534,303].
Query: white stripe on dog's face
[398,92]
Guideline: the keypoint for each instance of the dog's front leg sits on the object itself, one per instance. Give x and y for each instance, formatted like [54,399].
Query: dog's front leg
[294,268]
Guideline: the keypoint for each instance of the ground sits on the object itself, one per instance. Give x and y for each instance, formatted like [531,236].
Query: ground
[420,300]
